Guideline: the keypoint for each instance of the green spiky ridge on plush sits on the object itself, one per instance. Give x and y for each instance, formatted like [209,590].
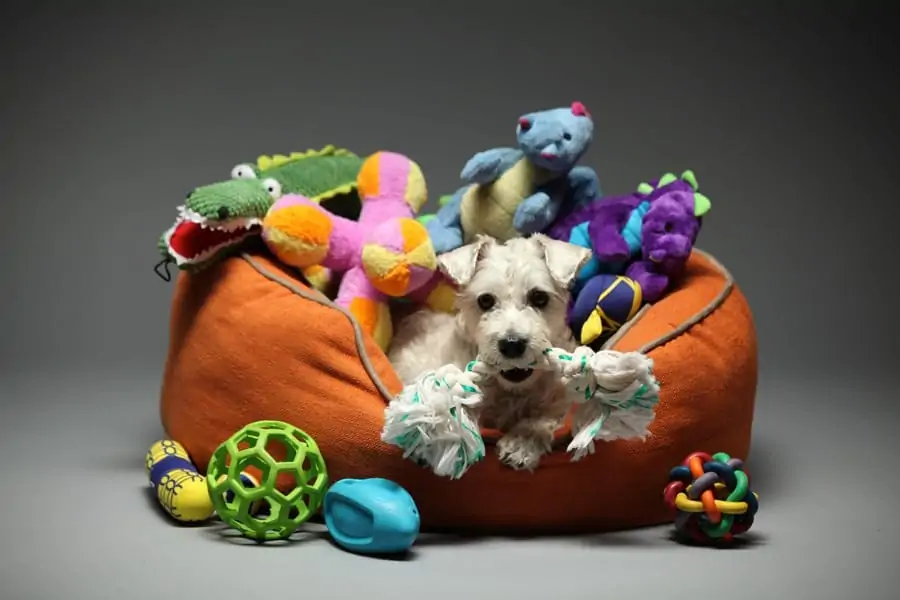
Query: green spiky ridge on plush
[702,204]
[216,219]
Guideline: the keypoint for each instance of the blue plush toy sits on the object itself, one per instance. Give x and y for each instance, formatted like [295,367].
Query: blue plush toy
[513,192]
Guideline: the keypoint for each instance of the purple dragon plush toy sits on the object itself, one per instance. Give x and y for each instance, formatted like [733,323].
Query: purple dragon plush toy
[647,235]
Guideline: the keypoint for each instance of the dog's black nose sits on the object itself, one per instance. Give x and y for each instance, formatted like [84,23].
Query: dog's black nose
[223,213]
[512,347]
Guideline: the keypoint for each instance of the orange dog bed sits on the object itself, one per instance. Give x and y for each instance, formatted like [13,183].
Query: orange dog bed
[250,341]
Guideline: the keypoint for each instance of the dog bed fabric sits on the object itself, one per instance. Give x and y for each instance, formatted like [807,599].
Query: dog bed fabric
[250,340]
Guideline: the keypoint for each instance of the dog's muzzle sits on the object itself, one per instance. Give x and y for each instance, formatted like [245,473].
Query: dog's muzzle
[514,347]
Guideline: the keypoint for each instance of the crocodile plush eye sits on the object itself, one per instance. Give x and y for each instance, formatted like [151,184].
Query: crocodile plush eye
[243,172]
[273,188]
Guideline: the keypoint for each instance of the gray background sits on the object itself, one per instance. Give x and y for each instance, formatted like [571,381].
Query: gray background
[111,112]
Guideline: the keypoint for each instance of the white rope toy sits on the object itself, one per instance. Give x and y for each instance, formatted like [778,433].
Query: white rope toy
[430,419]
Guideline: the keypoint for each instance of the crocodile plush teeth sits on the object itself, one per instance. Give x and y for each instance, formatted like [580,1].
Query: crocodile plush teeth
[195,239]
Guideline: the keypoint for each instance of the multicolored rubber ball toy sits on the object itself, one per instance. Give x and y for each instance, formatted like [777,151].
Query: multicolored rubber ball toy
[712,498]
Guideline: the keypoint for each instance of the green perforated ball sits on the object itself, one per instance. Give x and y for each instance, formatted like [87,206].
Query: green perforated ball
[276,453]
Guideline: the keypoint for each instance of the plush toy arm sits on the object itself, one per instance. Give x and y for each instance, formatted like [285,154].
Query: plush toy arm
[653,284]
[445,229]
[488,165]
[302,234]
[584,186]
[536,213]
[442,201]
[605,231]
[369,306]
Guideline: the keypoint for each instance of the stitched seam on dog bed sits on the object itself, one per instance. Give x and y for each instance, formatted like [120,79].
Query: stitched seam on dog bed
[685,325]
[358,335]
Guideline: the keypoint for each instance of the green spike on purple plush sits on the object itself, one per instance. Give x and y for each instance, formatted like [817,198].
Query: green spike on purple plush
[666,180]
[691,179]
[702,204]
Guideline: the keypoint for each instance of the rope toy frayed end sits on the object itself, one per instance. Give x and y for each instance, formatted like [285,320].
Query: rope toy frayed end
[430,420]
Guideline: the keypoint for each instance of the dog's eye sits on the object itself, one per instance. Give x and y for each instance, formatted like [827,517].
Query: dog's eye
[486,302]
[538,298]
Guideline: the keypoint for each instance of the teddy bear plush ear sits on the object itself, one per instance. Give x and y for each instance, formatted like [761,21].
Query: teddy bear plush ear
[563,259]
[459,265]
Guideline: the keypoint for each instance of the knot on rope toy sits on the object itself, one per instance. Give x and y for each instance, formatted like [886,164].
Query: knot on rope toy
[712,497]
[615,394]
[430,420]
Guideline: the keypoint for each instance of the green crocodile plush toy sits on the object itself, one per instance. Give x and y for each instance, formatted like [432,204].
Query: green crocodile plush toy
[216,219]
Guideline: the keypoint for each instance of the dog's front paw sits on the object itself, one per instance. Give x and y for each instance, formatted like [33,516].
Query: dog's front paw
[521,452]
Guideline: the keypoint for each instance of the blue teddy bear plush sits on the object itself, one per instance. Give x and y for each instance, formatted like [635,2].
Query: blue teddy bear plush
[515,192]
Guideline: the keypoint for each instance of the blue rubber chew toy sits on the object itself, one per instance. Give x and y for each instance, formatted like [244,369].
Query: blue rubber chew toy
[371,516]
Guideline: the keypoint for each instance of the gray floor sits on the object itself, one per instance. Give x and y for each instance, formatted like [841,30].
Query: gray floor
[77,521]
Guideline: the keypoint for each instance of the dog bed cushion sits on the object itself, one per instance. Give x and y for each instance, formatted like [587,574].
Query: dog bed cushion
[250,340]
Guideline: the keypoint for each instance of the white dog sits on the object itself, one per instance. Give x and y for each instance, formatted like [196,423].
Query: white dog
[511,306]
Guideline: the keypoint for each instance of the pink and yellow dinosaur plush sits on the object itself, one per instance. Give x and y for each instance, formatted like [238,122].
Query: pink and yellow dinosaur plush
[384,254]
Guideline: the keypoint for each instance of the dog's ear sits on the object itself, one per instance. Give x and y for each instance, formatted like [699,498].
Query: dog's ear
[459,265]
[563,259]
